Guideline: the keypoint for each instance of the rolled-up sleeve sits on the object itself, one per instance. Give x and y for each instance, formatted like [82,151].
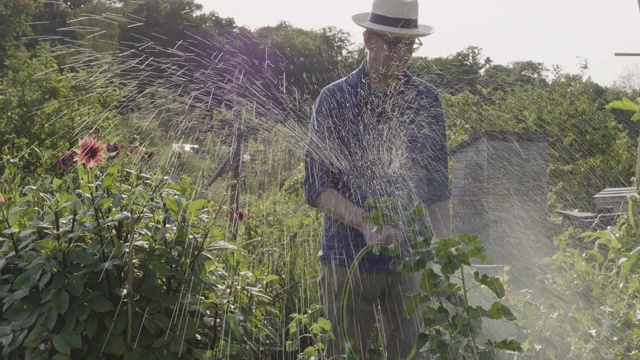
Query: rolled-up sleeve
[430,153]
[317,174]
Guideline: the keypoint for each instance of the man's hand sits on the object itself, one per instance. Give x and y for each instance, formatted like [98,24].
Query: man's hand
[387,236]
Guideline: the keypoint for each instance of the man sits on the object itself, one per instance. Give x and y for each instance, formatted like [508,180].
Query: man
[378,133]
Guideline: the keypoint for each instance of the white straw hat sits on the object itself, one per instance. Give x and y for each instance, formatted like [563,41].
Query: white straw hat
[396,17]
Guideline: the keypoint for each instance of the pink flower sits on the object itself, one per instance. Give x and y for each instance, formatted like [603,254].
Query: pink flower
[2,199]
[89,152]
[239,215]
[146,157]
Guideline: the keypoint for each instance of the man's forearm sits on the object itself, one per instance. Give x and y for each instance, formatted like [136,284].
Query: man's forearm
[334,205]
[440,219]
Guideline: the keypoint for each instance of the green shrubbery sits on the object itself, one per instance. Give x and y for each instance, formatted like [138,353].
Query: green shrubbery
[588,305]
[114,261]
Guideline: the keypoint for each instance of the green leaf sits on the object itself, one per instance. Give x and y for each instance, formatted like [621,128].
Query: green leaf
[475,319]
[81,256]
[418,211]
[196,205]
[508,344]
[10,231]
[119,217]
[6,340]
[220,245]
[27,279]
[470,240]
[188,329]
[119,347]
[492,282]
[37,336]
[161,342]
[99,303]
[324,324]
[61,357]
[46,245]
[105,203]
[140,353]
[75,340]
[91,327]
[60,301]
[75,286]
[422,340]
[61,343]
[625,266]
[499,311]
[636,116]
[624,104]
[376,217]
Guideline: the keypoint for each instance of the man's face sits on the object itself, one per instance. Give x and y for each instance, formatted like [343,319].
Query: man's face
[389,54]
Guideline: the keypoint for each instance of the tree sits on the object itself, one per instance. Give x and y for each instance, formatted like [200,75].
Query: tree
[51,113]
[518,73]
[588,149]
[453,74]
[15,15]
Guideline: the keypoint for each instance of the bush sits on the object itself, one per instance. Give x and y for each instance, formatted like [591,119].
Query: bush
[111,262]
[588,307]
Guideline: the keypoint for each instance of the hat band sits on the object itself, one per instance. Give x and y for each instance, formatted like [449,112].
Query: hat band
[400,23]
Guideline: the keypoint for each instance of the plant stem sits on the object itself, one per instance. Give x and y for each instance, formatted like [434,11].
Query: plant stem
[102,254]
[131,304]
[13,237]
[466,308]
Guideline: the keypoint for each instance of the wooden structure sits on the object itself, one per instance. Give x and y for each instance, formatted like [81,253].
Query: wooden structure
[500,194]
[609,205]
[613,200]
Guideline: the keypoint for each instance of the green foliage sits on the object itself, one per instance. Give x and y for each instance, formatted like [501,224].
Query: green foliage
[42,108]
[626,104]
[310,59]
[453,74]
[452,326]
[319,331]
[588,150]
[113,262]
[588,307]
[14,18]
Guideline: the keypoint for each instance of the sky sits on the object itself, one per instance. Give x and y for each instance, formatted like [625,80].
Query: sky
[554,32]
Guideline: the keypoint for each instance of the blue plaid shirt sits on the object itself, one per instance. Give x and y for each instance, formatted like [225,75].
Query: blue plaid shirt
[371,145]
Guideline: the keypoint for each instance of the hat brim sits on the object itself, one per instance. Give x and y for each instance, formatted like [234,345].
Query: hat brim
[363,21]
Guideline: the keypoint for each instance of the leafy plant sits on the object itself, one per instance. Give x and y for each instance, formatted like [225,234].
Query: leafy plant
[451,324]
[303,326]
[587,308]
[626,104]
[112,262]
